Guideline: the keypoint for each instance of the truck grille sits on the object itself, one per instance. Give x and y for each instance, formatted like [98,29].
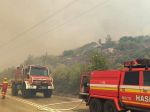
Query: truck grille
[38,82]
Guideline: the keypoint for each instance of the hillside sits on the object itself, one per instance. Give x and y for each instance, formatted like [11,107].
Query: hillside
[66,68]
[127,48]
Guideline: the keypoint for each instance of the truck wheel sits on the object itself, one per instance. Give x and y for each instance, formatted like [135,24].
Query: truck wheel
[109,106]
[96,106]
[14,89]
[47,93]
[32,93]
[25,92]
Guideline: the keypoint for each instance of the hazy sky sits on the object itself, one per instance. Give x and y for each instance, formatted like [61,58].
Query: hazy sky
[80,22]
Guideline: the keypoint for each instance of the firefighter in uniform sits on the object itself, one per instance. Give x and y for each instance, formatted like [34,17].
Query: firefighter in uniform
[4,86]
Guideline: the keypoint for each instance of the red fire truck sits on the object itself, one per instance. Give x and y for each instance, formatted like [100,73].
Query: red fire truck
[118,90]
[32,79]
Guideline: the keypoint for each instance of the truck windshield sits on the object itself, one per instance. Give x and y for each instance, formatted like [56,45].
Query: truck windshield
[39,71]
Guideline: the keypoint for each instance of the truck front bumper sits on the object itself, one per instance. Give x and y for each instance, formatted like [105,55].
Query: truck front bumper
[39,87]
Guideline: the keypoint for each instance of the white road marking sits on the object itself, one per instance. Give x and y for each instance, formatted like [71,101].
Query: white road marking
[65,109]
[40,107]
[76,101]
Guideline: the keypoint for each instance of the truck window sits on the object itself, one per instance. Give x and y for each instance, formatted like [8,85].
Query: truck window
[131,78]
[146,78]
[39,71]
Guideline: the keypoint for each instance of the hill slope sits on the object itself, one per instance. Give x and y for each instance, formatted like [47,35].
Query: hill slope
[69,65]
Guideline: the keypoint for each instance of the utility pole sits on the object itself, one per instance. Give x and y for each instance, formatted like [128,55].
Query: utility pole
[45,58]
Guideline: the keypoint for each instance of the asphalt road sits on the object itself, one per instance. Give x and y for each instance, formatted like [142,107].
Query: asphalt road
[40,104]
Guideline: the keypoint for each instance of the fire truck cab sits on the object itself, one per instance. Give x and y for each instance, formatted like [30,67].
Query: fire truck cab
[119,90]
[32,79]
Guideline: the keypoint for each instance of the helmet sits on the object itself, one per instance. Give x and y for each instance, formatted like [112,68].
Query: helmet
[5,79]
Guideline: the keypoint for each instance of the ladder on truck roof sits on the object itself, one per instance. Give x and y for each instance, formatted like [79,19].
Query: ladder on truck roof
[138,63]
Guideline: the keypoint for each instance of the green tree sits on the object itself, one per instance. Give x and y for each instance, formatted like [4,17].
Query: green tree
[109,43]
[68,53]
[29,60]
[8,73]
[67,78]
[98,62]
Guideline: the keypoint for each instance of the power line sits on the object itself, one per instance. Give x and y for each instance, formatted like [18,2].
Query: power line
[66,22]
[72,19]
[82,14]
[39,23]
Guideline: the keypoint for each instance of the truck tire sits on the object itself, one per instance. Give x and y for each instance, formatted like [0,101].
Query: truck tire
[32,93]
[14,90]
[47,93]
[109,106]
[25,92]
[95,105]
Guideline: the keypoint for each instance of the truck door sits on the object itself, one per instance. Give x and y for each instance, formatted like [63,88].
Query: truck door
[145,92]
[130,88]
[84,87]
